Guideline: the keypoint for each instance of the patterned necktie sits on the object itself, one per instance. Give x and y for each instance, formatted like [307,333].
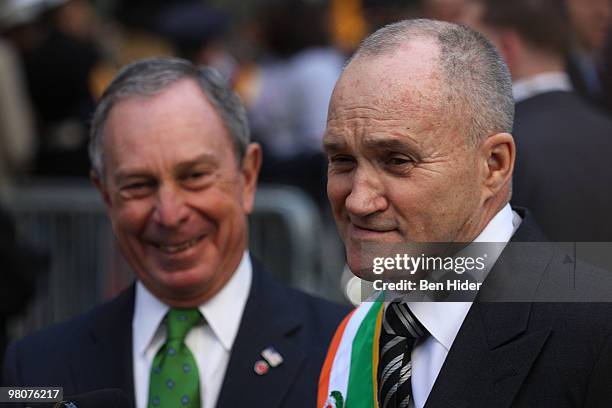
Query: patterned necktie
[400,331]
[174,379]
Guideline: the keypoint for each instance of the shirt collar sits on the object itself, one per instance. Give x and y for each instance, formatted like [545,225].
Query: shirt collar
[443,319]
[149,312]
[223,312]
[536,84]
[501,227]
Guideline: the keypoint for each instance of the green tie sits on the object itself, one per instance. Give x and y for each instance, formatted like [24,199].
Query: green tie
[174,374]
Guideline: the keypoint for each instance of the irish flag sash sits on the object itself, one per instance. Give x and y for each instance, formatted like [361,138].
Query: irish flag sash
[348,377]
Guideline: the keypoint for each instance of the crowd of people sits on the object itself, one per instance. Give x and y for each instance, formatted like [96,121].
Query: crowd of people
[283,58]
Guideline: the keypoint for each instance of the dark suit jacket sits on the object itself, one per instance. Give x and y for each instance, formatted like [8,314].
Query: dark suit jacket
[94,351]
[529,354]
[579,82]
[563,170]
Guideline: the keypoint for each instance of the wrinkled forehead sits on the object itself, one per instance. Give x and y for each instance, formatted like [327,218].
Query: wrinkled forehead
[408,77]
[402,94]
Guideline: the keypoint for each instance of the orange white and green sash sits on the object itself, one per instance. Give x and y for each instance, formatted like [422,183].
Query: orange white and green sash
[348,377]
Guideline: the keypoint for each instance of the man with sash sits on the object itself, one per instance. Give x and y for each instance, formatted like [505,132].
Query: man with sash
[420,152]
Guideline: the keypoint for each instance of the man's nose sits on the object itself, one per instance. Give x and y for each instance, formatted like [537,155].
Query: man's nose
[170,209]
[367,195]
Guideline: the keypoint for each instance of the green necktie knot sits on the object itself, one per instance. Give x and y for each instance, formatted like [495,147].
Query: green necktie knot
[180,322]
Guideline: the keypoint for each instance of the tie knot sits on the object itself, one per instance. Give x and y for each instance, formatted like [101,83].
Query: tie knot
[180,321]
[399,321]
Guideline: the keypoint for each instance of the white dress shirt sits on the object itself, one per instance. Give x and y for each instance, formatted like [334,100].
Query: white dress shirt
[210,342]
[443,319]
[533,85]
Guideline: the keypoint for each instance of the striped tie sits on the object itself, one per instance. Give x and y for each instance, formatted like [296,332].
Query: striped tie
[398,335]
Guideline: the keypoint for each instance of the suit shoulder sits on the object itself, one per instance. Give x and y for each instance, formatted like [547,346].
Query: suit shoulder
[36,355]
[55,337]
[565,107]
[584,292]
[75,327]
[47,349]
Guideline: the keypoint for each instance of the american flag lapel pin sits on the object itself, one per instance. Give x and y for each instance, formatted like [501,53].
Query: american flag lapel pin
[272,356]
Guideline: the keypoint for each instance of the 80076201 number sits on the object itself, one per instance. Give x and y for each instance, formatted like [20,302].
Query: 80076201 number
[31,394]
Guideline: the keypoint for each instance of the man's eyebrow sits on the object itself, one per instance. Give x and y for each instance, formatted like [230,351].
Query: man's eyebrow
[127,174]
[333,146]
[389,144]
[205,158]
[136,172]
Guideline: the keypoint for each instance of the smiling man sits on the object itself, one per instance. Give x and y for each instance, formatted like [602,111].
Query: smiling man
[420,151]
[203,326]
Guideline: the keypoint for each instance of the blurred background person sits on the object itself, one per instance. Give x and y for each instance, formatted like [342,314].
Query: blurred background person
[563,169]
[199,32]
[445,10]
[17,143]
[296,74]
[586,63]
[59,57]
[379,13]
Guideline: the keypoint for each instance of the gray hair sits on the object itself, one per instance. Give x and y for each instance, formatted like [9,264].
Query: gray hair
[478,85]
[149,77]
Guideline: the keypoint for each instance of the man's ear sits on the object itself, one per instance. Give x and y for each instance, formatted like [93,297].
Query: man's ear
[499,153]
[95,178]
[251,163]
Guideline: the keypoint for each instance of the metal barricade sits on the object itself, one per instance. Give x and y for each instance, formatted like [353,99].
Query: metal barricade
[68,221]
[284,232]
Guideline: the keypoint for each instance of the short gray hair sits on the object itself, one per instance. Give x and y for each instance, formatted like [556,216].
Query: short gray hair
[478,85]
[149,77]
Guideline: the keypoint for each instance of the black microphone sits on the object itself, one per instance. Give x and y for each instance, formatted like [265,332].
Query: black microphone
[106,398]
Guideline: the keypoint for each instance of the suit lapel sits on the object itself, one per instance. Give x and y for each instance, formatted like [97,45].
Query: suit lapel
[268,321]
[489,359]
[495,347]
[105,358]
